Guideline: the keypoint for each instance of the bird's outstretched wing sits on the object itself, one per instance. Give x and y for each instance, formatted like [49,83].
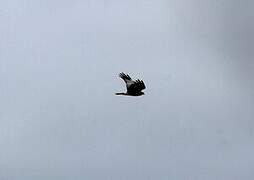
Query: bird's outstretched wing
[125,77]
[136,87]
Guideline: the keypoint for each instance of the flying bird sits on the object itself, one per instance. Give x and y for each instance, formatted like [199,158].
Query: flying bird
[134,87]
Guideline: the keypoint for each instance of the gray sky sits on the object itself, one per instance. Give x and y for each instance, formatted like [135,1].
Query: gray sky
[59,61]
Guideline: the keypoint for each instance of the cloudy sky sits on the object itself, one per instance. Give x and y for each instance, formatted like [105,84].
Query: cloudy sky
[60,119]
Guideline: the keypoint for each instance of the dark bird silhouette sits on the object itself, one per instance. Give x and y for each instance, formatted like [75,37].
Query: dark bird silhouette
[134,88]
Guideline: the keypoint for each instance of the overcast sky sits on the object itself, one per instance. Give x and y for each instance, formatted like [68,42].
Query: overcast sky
[59,65]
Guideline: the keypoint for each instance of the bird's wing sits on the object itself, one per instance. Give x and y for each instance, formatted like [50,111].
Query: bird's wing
[136,86]
[127,79]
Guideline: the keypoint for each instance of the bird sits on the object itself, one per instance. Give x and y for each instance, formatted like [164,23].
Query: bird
[134,87]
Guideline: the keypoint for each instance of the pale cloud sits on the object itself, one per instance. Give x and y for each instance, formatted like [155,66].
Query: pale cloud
[59,62]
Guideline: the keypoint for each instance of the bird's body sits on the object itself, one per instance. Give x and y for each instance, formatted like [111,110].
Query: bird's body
[134,88]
